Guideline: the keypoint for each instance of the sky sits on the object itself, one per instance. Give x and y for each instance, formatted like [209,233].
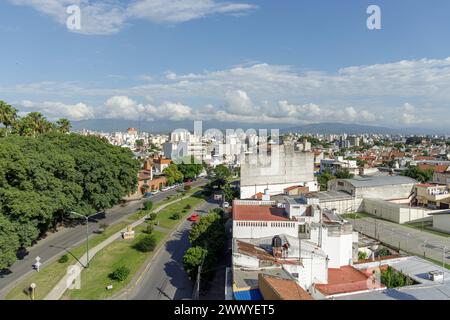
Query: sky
[290,61]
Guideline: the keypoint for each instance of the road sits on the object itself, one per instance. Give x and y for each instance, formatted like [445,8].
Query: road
[418,242]
[56,244]
[165,279]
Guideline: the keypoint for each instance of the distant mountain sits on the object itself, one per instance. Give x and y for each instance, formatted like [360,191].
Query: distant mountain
[341,128]
[167,126]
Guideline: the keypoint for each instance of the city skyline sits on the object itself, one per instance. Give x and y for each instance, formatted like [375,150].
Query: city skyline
[249,62]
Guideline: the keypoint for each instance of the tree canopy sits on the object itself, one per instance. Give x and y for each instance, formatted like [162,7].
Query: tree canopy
[173,174]
[418,174]
[45,177]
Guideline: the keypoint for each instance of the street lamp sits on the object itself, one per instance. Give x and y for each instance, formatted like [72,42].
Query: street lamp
[33,288]
[87,234]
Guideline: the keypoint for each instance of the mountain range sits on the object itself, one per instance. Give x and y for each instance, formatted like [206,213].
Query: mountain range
[167,126]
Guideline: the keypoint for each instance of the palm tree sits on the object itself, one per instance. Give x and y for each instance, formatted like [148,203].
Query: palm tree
[8,115]
[34,123]
[64,125]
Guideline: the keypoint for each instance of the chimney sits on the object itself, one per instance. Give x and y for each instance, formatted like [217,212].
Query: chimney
[266,196]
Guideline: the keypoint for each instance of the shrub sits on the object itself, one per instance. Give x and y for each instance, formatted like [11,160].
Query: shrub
[152,216]
[148,205]
[188,207]
[63,259]
[148,229]
[176,216]
[383,252]
[362,255]
[188,187]
[146,244]
[120,274]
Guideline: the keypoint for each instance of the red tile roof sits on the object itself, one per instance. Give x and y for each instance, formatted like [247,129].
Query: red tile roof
[427,185]
[258,213]
[438,168]
[347,280]
[283,288]
[421,158]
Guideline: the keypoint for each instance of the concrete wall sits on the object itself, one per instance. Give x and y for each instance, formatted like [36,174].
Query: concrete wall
[380,192]
[260,229]
[283,168]
[249,191]
[343,206]
[338,247]
[393,211]
[441,222]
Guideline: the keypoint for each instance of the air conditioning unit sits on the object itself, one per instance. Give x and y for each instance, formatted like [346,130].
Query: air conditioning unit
[436,275]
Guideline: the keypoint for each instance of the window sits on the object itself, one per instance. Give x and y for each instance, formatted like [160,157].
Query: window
[302,228]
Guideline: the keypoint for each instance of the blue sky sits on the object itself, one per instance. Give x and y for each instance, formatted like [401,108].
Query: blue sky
[272,61]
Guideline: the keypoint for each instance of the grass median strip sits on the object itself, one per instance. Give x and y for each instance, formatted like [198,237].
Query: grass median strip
[122,253]
[119,253]
[50,274]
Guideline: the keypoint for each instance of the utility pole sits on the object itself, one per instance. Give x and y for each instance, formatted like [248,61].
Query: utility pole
[87,234]
[197,284]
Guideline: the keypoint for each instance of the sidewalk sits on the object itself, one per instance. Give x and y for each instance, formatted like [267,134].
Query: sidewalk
[58,291]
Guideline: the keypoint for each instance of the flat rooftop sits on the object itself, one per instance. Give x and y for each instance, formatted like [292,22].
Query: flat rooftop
[329,195]
[417,269]
[246,278]
[379,181]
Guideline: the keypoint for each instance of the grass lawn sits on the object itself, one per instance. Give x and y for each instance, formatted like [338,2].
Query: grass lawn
[50,274]
[120,253]
[356,215]
[164,216]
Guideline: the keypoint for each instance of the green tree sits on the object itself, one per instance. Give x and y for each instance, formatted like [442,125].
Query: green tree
[343,174]
[192,259]
[418,174]
[63,125]
[9,243]
[173,175]
[42,179]
[323,179]
[221,173]
[148,205]
[8,115]
[146,244]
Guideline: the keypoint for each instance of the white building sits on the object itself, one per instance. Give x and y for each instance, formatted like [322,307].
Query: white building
[282,168]
[254,219]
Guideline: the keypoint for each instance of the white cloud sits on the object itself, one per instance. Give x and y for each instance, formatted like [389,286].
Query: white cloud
[238,102]
[409,115]
[109,16]
[123,107]
[176,11]
[55,110]
[279,93]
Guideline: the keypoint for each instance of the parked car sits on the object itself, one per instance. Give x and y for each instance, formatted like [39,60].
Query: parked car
[148,195]
[226,205]
[194,217]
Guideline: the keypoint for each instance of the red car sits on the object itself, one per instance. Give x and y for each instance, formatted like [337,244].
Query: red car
[194,217]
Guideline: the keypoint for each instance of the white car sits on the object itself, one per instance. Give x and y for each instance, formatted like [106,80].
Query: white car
[226,205]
